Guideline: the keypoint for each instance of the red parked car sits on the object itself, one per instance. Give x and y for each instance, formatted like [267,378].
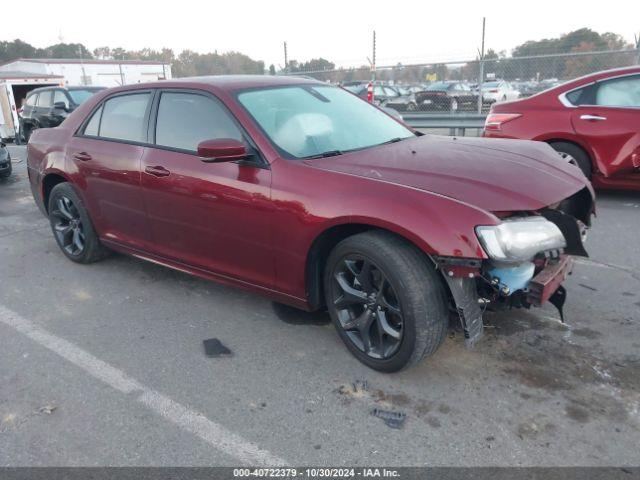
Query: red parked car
[593,121]
[304,192]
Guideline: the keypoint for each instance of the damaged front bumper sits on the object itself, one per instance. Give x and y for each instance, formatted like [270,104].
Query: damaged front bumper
[473,289]
[476,284]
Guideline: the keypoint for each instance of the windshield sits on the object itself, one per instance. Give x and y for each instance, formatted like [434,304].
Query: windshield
[80,96]
[438,86]
[355,88]
[305,121]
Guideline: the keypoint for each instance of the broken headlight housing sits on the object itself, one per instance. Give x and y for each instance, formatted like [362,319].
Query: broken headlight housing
[520,239]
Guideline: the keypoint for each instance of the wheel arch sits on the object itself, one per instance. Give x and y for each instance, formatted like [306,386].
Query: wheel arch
[324,243]
[49,181]
[572,141]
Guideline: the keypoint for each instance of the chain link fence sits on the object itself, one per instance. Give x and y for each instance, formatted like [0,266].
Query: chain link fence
[470,86]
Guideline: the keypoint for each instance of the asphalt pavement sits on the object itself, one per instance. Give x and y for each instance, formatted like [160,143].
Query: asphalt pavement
[104,365]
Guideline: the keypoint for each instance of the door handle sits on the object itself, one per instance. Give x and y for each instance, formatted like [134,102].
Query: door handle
[592,118]
[157,171]
[82,156]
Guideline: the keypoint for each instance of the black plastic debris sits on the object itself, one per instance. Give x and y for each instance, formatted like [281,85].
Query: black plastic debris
[558,299]
[391,419]
[360,385]
[213,348]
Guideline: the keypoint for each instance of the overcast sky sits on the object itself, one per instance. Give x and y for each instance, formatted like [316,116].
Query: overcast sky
[407,31]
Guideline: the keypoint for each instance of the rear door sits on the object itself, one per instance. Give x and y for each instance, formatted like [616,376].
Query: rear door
[607,117]
[214,216]
[105,158]
[29,109]
[43,109]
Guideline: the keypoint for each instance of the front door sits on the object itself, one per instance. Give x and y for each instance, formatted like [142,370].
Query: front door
[213,216]
[106,156]
[610,124]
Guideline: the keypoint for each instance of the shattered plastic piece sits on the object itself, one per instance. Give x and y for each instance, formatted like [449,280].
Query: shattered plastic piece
[48,409]
[558,299]
[391,419]
[213,348]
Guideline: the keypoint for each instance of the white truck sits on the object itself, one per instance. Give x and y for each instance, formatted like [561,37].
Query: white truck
[14,87]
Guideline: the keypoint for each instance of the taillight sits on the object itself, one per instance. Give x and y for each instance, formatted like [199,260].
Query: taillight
[494,121]
[493,91]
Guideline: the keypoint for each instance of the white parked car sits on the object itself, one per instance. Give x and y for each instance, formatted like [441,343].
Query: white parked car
[498,91]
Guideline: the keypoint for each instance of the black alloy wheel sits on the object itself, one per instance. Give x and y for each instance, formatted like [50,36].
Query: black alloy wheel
[72,227]
[67,226]
[367,307]
[385,299]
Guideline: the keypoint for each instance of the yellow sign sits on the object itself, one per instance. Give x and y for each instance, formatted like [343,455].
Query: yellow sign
[431,77]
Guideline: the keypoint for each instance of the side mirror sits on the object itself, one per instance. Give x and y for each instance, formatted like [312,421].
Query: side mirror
[60,106]
[221,150]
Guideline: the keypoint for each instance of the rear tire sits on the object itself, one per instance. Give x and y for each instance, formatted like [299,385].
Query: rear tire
[413,303]
[28,130]
[71,226]
[574,154]
[7,173]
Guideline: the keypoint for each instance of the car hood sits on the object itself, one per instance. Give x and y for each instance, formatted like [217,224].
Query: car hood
[492,174]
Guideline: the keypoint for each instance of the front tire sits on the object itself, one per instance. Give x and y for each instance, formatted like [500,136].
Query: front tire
[574,154]
[386,301]
[71,226]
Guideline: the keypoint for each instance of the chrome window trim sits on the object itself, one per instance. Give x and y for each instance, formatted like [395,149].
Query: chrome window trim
[564,101]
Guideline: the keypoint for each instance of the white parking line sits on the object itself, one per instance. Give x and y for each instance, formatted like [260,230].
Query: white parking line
[214,434]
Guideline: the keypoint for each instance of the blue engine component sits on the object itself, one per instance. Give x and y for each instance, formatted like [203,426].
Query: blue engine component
[514,278]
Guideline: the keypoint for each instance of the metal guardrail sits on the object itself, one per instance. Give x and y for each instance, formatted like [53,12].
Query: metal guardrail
[457,124]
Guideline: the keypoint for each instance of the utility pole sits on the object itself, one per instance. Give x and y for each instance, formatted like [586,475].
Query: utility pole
[84,74]
[481,69]
[286,59]
[373,63]
[637,39]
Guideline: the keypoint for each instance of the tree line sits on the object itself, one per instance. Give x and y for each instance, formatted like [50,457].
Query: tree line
[517,66]
[185,63]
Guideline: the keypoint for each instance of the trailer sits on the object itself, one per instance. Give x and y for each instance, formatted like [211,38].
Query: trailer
[14,87]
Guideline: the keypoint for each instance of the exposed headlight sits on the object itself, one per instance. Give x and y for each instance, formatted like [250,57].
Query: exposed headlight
[519,240]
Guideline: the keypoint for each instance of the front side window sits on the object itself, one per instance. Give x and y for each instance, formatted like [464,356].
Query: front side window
[59,96]
[305,121]
[186,119]
[619,92]
[124,118]
[45,99]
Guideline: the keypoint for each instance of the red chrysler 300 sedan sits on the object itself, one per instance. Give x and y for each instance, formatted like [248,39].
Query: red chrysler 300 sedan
[310,195]
[593,121]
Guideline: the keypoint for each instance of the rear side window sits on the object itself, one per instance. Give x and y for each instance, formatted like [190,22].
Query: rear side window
[92,127]
[619,92]
[186,119]
[124,118]
[31,101]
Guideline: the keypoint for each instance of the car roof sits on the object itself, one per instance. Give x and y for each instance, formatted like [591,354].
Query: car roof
[237,82]
[56,87]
